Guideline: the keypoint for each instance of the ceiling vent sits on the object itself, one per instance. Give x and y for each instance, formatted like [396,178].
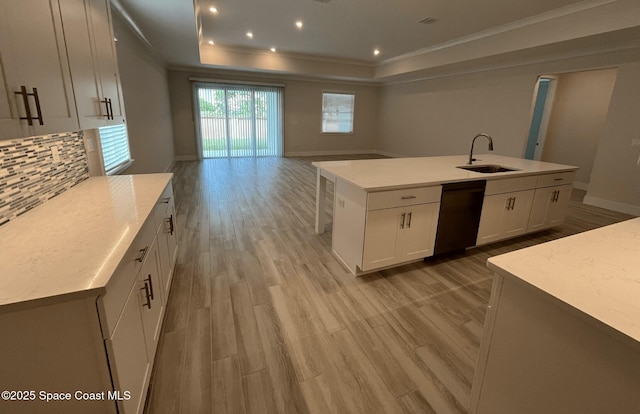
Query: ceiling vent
[428,20]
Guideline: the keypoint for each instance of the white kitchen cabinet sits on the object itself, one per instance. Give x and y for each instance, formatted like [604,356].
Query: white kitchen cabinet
[92,59]
[374,230]
[504,216]
[399,235]
[35,64]
[93,338]
[128,358]
[549,207]
[167,237]
[151,298]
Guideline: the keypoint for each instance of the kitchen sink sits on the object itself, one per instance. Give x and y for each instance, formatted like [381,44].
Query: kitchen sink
[487,168]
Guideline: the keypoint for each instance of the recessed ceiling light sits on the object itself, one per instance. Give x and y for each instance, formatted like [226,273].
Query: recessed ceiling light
[376,52]
[213,9]
[299,24]
[250,35]
[211,42]
[273,49]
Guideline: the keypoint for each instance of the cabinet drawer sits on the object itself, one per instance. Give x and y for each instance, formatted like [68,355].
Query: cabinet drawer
[404,197]
[510,184]
[549,180]
[113,301]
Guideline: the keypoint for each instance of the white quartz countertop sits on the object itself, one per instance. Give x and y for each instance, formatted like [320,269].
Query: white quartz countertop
[72,244]
[380,174]
[596,272]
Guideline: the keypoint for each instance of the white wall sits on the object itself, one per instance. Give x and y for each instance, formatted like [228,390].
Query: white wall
[302,113]
[615,179]
[441,116]
[146,101]
[578,119]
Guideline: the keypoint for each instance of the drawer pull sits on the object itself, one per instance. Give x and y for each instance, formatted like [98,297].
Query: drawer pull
[558,179]
[148,279]
[166,200]
[408,197]
[170,221]
[147,294]
[143,254]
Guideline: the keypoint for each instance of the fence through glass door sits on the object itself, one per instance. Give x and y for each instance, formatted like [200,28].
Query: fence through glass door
[239,120]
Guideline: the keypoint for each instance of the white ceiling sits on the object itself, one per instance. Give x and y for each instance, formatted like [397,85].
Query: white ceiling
[338,30]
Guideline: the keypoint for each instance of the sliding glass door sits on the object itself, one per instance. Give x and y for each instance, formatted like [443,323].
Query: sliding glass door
[239,120]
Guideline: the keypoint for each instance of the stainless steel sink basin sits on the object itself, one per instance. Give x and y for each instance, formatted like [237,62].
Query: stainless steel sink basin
[487,168]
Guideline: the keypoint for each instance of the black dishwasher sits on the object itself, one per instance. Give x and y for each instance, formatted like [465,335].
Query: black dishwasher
[460,209]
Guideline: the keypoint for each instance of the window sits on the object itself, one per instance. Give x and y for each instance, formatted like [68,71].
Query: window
[115,148]
[239,120]
[337,112]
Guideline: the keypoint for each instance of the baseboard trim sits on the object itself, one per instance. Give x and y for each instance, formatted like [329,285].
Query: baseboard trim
[612,205]
[186,158]
[320,153]
[169,167]
[580,186]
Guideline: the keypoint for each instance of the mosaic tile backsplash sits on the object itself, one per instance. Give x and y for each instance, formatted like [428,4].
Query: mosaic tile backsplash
[29,176]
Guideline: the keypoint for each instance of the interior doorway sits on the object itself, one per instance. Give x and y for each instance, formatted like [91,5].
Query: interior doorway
[542,106]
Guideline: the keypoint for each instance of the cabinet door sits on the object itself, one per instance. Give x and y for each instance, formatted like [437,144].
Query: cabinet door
[34,54]
[558,209]
[493,209]
[549,207]
[516,217]
[167,247]
[130,367]
[380,239]
[151,299]
[105,58]
[418,238]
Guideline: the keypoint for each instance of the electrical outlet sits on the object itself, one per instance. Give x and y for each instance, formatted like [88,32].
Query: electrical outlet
[635,142]
[55,154]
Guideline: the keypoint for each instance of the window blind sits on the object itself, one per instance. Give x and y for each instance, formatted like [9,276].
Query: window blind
[337,112]
[115,148]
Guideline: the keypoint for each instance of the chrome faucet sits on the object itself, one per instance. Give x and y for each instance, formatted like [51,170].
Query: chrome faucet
[471,159]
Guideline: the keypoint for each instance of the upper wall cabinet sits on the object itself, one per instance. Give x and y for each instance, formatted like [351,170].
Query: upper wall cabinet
[37,94]
[93,63]
[58,67]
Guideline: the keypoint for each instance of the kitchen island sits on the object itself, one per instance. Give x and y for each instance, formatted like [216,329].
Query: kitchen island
[375,199]
[562,334]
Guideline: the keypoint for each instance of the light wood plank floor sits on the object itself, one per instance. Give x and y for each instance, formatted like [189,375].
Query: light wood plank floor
[263,319]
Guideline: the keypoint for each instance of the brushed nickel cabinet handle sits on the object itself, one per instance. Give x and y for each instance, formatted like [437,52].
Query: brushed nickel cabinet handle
[402,224]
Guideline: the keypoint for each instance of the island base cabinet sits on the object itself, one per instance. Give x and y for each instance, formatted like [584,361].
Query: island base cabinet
[540,355]
[549,207]
[399,235]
